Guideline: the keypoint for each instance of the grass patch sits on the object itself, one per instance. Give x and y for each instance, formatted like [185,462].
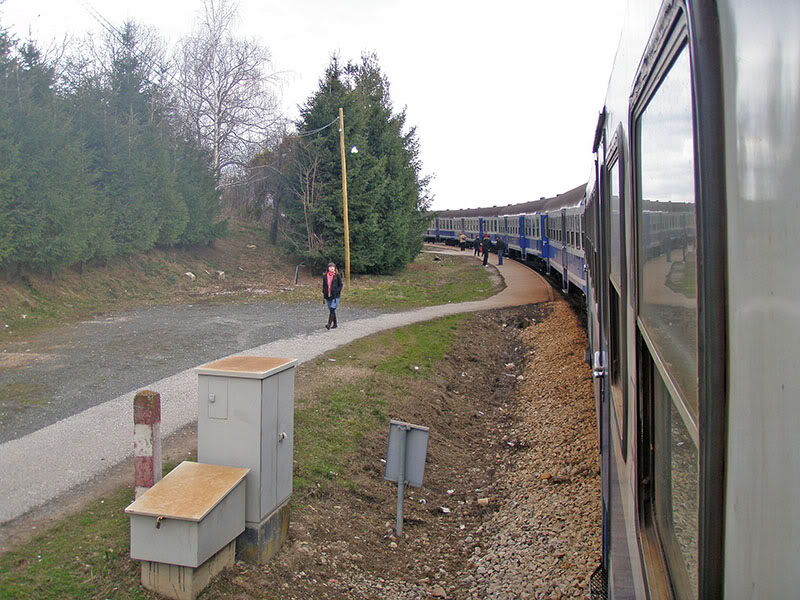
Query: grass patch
[425,282]
[344,399]
[22,395]
[331,419]
[419,347]
[84,556]
[330,430]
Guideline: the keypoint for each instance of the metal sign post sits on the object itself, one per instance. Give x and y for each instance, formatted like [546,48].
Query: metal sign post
[405,460]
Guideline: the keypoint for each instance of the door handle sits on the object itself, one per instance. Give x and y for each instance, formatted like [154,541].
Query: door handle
[598,370]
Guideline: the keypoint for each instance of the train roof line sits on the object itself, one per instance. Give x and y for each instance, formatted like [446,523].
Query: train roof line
[570,198]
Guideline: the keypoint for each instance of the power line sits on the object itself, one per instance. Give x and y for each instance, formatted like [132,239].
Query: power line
[313,131]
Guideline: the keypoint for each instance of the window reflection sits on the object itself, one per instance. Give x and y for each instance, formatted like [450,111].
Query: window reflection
[614,233]
[667,267]
[676,492]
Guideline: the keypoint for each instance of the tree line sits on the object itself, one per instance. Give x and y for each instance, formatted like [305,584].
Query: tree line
[116,146]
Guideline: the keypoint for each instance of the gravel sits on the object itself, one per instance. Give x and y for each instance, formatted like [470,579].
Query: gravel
[544,541]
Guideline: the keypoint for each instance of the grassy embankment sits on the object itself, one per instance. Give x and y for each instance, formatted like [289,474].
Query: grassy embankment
[86,555]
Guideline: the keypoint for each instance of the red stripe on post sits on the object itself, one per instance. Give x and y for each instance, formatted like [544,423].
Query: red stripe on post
[144,471]
[146,440]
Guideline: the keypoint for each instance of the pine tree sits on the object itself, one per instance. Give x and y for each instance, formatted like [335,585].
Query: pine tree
[385,192]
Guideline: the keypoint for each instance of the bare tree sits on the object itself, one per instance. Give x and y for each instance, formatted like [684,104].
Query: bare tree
[226,90]
[307,193]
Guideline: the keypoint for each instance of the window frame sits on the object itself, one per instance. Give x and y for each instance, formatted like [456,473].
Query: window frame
[616,325]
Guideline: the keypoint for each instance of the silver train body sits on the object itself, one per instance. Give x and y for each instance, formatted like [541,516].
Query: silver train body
[688,228]
[693,271]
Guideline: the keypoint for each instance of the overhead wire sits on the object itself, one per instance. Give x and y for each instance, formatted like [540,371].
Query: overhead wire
[254,167]
[313,131]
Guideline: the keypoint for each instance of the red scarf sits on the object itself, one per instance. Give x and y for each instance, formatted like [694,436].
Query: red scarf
[330,280]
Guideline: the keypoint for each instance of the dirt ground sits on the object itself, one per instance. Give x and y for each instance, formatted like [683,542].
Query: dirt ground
[342,542]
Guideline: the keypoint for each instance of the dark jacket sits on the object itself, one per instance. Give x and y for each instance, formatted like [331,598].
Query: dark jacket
[486,244]
[336,286]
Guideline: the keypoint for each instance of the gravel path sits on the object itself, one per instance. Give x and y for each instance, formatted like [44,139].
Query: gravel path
[85,364]
[82,435]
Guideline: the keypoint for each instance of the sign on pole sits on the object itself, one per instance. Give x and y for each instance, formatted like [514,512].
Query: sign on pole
[405,460]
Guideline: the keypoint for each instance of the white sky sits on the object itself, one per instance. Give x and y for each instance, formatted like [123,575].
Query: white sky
[505,94]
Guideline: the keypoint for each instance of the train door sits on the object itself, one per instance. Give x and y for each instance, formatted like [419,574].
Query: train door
[545,244]
[600,359]
[615,317]
[564,256]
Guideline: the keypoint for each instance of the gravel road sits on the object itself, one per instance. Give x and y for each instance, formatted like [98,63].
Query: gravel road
[93,369]
[68,370]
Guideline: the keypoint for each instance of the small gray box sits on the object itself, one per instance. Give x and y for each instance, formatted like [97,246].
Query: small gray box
[407,444]
[189,515]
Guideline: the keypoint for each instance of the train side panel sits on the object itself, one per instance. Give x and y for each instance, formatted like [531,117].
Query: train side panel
[762,90]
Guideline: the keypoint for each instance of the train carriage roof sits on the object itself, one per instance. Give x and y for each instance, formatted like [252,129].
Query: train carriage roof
[573,197]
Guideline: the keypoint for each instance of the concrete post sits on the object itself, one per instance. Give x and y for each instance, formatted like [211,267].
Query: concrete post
[147,440]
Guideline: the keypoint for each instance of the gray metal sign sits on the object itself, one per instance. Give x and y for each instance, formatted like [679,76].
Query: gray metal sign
[405,456]
[405,460]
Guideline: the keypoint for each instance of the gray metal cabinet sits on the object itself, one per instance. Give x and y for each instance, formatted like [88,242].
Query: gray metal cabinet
[246,419]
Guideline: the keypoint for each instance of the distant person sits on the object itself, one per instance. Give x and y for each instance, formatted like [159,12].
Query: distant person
[331,292]
[462,239]
[485,248]
[501,248]
[476,245]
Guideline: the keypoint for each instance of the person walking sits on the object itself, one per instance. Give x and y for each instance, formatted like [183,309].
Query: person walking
[501,248]
[476,245]
[462,240]
[485,247]
[331,292]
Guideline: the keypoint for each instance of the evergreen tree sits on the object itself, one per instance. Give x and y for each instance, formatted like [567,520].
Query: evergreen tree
[385,192]
[46,194]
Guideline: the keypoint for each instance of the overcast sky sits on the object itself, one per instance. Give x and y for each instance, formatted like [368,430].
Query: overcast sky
[505,94]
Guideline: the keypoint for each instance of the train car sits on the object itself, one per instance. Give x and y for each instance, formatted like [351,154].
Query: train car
[560,249]
[693,285]
[547,233]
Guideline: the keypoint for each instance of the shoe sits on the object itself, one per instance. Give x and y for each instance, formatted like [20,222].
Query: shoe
[328,326]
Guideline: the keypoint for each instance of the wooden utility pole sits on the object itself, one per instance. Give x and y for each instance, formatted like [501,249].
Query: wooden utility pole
[344,196]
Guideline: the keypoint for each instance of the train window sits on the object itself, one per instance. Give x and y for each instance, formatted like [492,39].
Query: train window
[616,308]
[615,234]
[667,284]
[668,263]
[675,493]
